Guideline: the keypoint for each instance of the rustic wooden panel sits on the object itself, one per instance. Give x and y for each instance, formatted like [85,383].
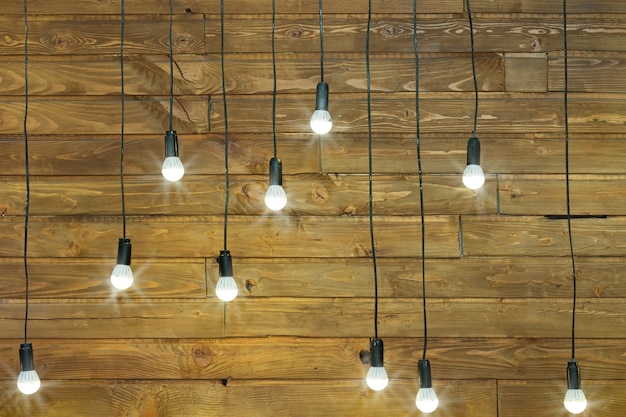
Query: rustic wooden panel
[526,72]
[539,6]
[89,278]
[115,318]
[493,33]
[143,154]
[71,35]
[201,74]
[280,358]
[500,153]
[250,236]
[317,195]
[545,195]
[531,318]
[202,398]
[604,398]
[587,71]
[538,236]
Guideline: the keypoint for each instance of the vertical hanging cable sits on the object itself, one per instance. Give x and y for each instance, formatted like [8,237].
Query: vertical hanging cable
[321,120]
[27,170]
[471,29]
[321,42]
[122,87]
[274,75]
[171,67]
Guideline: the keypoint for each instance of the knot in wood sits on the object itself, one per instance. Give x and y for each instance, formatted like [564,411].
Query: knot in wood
[388,31]
[202,355]
[535,44]
[183,41]
[188,10]
[60,42]
[365,356]
[319,195]
[251,286]
[295,33]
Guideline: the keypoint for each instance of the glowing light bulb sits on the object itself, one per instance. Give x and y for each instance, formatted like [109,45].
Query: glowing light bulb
[377,378]
[28,381]
[426,400]
[275,197]
[321,122]
[226,288]
[575,401]
[172,168]
[122,275]
[473,177]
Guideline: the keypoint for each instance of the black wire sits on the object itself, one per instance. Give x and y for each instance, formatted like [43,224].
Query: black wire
[419,170]
[567,193]
[226,144]
[471,29]
[27,167]
[321,43]
[123,28]
[369,144]
[274,75]
[171,70]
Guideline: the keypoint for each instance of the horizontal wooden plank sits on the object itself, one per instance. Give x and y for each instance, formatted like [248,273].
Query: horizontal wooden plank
[606,398]
[201,74]
[543,277]
[538,6]
[282,358]
[317,195]
[201,398]
[250,236]
[115,318]
[440,112]
[545,195]
[538,236]
[532,318]
[587,71]
[69,35]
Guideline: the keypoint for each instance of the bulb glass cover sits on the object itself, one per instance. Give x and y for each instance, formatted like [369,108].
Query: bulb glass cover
[122,277]
[28,382]
[226,289]
[575,401]
[275,197]
[377,378]
[473,177]
[426,400]
[172,168]
[321,122]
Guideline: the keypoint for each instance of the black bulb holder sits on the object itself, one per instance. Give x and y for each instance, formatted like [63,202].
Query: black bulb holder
[423,373]
[321,96]
[171,143]
[225,262]
[573,375]
[276,171]
[473,151]
[376,353]
[27,362]
[123,252]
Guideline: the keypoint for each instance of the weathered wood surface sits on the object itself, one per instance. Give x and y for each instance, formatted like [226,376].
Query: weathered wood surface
[280,358]
[262,398]
[319,277]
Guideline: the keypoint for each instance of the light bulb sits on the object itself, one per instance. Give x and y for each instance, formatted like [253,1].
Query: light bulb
[321,122]
[377,378]
[473,177]
[275,197]
[575,401]
[426,400]
[28,381]
[122,277]
[226,289]
[172,168]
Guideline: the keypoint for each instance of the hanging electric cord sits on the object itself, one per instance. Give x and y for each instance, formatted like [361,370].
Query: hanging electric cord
[321,121]
[171,67]
[321,42]
[123,105]
[226,288]
[377,378]
[575,401]
[274,76]
[473,52]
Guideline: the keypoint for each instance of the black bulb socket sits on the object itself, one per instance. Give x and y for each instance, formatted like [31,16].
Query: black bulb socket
[473,151]
[123,251]
[225,262]
[423,373]
[573,375]
[27,362]
[376,352]
[171,143]
[276,171]
[321,96]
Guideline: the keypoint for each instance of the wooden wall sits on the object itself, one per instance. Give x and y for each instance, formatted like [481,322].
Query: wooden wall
[498,273]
